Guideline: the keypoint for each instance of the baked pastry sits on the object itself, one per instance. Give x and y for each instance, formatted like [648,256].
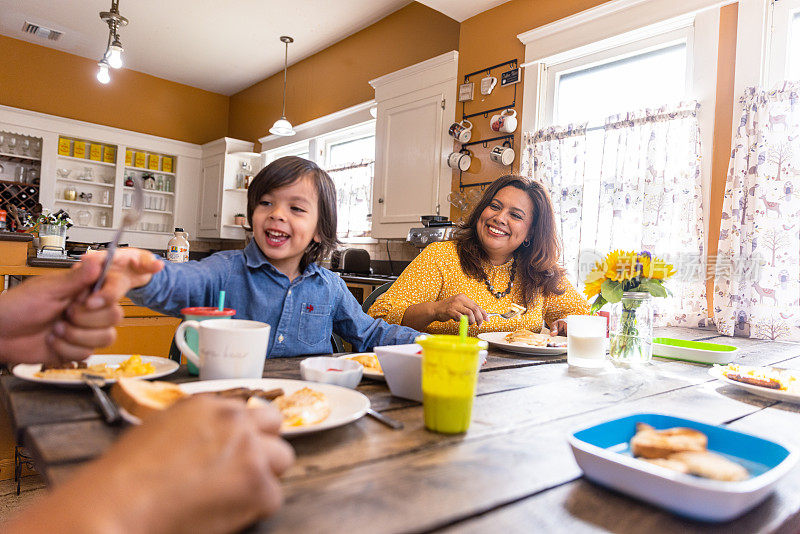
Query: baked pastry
[707,464]
[668,463]
[651,443]
[368,360]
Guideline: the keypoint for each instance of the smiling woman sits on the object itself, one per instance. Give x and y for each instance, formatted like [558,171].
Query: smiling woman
[506,253]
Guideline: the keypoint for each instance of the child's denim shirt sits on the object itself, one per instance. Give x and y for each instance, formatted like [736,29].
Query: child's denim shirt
[302,313]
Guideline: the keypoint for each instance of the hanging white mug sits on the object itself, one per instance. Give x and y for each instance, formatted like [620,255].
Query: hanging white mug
[502,154]
[487,85]
[506,122]
[459,161]
[461,131]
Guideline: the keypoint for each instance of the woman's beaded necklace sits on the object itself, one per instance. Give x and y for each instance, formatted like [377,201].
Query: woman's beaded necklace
[500,294]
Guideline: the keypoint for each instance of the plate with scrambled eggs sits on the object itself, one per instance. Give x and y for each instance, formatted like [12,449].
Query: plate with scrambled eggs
[109,366]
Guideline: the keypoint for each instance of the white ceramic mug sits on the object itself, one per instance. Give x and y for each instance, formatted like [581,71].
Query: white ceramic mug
[459,161]
[505,122]
[229,348]
[461,131]
[487,85]
[502,154]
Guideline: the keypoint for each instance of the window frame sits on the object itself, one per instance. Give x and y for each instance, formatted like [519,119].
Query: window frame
[779,16]
[320,135]
[553,71]
[617,25]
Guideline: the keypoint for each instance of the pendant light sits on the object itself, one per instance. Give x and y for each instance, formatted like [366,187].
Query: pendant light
[283,126]
[112,58]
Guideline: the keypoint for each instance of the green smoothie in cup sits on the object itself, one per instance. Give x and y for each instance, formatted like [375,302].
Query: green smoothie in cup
[449,375]
[201,313]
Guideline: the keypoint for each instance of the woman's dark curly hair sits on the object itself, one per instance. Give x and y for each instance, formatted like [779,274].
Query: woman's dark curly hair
[286,171]
[537,257]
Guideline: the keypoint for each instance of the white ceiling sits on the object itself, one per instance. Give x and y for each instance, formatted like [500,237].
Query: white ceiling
[222,46]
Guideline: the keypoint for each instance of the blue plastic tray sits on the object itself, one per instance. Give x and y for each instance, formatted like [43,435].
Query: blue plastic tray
[603,452]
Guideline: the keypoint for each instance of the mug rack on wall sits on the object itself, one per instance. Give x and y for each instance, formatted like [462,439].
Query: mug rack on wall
[488,70]
[485,142]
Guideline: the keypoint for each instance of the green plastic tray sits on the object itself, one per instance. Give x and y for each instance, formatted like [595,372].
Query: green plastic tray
[693,351]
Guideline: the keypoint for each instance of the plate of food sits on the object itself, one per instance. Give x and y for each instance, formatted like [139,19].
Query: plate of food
[369,361]
[770,382]
[306,406]
[109,366]
[697,470]
[527,342]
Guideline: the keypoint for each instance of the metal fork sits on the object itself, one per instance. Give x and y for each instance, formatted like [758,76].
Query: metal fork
[130,218]
[507,315]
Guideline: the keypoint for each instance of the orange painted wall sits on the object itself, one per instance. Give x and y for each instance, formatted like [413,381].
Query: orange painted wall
[723,130]
[336,78]
[49,81]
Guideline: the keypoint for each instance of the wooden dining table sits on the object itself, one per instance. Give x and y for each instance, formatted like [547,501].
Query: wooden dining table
[512,471]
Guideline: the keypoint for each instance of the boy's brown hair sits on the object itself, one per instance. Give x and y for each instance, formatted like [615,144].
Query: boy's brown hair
[286,171]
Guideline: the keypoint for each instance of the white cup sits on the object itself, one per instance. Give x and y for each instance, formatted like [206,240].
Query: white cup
[586,340]
[502,154]
[487,85]
[229,348]
[459,161]
[505,122]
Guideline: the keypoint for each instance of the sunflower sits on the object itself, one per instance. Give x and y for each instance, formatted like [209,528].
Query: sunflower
[659,270]
[620,265]
[594,281]
[645,262]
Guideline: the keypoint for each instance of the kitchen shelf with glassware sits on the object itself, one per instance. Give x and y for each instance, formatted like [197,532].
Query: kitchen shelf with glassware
[82,203]
[84,182]
[18,158]
[149,191]
[85,160]
[151,171]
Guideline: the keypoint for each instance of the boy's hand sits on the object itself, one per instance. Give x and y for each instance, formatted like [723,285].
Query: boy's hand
[130,268]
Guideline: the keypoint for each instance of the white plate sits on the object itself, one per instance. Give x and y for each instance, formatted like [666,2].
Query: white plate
[774,394]
[369,373]
[498,339]
[163,366]
[346,405]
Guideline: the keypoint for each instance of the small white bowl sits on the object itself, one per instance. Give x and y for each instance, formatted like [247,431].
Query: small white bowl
[320,369]
[63,173]
[402,367]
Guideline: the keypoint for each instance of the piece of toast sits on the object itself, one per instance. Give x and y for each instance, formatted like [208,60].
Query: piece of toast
[707,464]
[651,443]
[143,397]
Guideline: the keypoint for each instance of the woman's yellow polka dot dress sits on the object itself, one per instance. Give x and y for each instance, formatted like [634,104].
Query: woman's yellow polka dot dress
[436,275]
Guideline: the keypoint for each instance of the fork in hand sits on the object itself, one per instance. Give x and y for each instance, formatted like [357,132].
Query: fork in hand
[507,315]
[130,218]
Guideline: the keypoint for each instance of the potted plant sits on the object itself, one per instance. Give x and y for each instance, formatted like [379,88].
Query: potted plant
[51,228]
[239,219]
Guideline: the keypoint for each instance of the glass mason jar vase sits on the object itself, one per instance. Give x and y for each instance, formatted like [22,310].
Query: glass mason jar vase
[52,236]
[631,329]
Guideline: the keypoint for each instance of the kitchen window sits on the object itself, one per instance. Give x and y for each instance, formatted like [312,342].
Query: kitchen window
[784,40]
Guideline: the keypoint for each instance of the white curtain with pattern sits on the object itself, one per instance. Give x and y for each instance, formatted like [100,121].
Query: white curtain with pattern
[632,184]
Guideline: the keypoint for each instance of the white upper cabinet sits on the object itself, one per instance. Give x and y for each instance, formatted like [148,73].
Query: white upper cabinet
[223,192]
[416,106]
